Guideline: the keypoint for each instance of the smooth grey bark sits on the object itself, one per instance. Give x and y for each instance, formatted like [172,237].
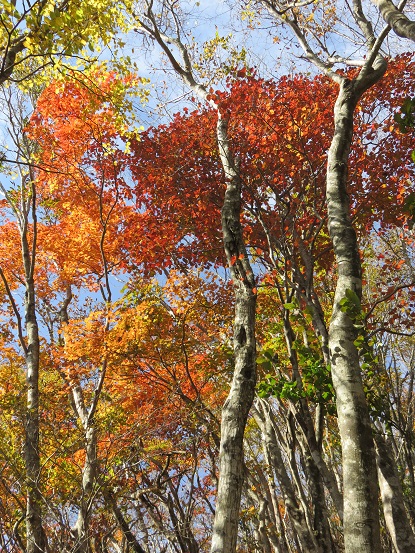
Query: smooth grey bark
[304,288]
[181,516]
[35,535]
[179,533]
[24,206]
[261,521]
[241,395]
[315,483]
[398,21]
[396,517]
[303,417]
[79,530]
[403,421]
[361,518]
[304,421]
[360,490]
[34,530]
[278,537]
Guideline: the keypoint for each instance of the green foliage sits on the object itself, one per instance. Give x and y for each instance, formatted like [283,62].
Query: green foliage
[317,385]
[316,381]
[350,305]
[409,204]
[279,387]
[405,118]
[372,377]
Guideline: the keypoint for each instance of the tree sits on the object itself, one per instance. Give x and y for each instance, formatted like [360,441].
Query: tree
[236,408]
[285,238]
[23,204]
[42,34]
[131,382]
[360,482]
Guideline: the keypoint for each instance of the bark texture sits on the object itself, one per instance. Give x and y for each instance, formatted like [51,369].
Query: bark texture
[238,403]
[361,519]
[35,534]
[398,21]
[80,530]
[394,511]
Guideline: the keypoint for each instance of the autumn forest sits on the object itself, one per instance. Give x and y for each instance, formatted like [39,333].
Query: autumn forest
[207,276]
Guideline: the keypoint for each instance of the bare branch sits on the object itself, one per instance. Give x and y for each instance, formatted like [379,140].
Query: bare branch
[15,311]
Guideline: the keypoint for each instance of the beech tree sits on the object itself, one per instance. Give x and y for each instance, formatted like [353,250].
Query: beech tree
[294,254]
[21,202]
[166,264]
[344,354]
[236,408]
[361,520]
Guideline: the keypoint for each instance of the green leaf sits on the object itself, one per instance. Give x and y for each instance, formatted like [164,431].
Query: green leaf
[353,297]
[265,364]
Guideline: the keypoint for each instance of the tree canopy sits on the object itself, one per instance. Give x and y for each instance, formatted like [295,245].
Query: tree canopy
[206,325]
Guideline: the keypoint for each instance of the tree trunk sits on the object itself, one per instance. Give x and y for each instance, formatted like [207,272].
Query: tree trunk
[238,403]
[35,539]
[321,520]
[132,541]
[393,504]
[80,530]
[35,534]
[361,517]
[275,528]
[304,421]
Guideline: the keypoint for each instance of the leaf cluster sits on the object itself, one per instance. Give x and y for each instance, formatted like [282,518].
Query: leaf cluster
[365,345]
